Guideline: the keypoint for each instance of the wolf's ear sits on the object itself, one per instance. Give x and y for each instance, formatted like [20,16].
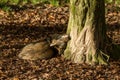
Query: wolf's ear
[65,36]
[53,43]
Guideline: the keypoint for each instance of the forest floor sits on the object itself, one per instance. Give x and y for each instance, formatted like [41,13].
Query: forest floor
[30,24]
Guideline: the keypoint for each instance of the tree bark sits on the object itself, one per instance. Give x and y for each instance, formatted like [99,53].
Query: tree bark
[87,30]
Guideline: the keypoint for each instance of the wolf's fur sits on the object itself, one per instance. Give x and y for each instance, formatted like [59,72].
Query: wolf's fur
[34,51]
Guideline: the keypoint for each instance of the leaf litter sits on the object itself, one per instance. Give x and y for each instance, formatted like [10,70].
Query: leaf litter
[22,27]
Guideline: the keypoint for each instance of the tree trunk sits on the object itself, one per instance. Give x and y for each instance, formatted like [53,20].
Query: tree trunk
[87,31]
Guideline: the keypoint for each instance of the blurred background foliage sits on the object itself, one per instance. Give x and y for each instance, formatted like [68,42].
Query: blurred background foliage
[8,4]
[24,2]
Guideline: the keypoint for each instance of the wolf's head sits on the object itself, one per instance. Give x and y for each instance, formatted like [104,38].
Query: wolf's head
[60,40]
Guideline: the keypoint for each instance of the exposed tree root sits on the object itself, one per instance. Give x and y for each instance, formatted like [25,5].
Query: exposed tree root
[98,58]
[83,48]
